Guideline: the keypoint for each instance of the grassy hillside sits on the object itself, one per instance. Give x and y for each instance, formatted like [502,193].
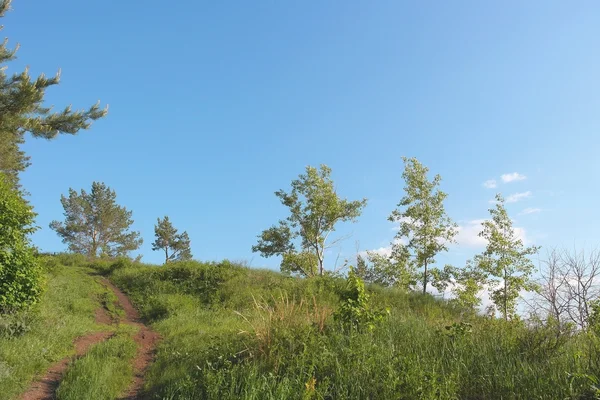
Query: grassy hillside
[230,332]
[30,342]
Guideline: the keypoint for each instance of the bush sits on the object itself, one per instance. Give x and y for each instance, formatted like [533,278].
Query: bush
[355,310]
[20,274]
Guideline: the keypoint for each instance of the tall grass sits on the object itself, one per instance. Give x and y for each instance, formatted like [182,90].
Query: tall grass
[30,342]
[103,373]
[235,333]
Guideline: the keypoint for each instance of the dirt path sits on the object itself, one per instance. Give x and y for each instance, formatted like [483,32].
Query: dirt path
[45,388]
[146,339]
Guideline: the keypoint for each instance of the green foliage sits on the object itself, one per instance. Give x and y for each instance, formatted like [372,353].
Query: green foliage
[20,275]
[304,263]
[95,224]
[593,322]
[355,310]
[175,245]
[465,284]
[22,110]
[505,260]
[15,325]
[386,271]
[315,209]
[425,229]
[203,281]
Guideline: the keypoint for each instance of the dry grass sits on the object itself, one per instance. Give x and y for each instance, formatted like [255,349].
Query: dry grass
[283,312]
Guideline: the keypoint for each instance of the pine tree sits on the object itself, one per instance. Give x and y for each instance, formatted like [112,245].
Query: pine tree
[175,245]
[425,228]
[22,111]
[95,224]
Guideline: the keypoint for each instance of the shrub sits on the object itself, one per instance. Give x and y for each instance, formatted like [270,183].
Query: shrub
[20,274]
[355,310]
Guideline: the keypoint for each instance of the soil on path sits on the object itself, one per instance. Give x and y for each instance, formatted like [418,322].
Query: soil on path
[146,339]
[45,388]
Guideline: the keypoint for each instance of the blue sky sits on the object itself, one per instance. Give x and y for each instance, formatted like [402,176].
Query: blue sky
[214,106]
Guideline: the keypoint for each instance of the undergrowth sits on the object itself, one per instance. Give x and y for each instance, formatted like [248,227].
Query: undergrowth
[235,333]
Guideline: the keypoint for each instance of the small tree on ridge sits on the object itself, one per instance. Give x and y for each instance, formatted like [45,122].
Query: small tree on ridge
[425,228]
[95,224]
[175,245]
[315,209]
[505,260]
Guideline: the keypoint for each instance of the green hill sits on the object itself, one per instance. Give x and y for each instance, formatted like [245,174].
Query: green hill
[231,332]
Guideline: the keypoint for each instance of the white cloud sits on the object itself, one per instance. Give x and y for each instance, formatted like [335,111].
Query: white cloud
[515,176]
[513,198]
[468,234]
[382,251]
[530,210]
[520,233]
[490,184]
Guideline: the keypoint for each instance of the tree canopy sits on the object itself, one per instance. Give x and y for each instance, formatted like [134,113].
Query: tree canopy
[315,209]
[176,246]
[424,227]
[505,260]
[95,224]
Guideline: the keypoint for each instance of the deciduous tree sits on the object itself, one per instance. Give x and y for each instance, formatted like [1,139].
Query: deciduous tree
[176,246]
[569,283]
[465,283]
[95,224]
[505,260]
[315,209]
[425,229]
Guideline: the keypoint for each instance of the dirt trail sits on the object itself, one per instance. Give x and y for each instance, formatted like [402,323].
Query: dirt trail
[45,388]
[146,339]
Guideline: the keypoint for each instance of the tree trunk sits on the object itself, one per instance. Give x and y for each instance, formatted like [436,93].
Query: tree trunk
[166,255]
[94,248]
[425,279]
[320,266]
[505,298]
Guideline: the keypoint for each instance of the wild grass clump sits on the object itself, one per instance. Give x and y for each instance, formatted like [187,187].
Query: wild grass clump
[103,373]
[281,314]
